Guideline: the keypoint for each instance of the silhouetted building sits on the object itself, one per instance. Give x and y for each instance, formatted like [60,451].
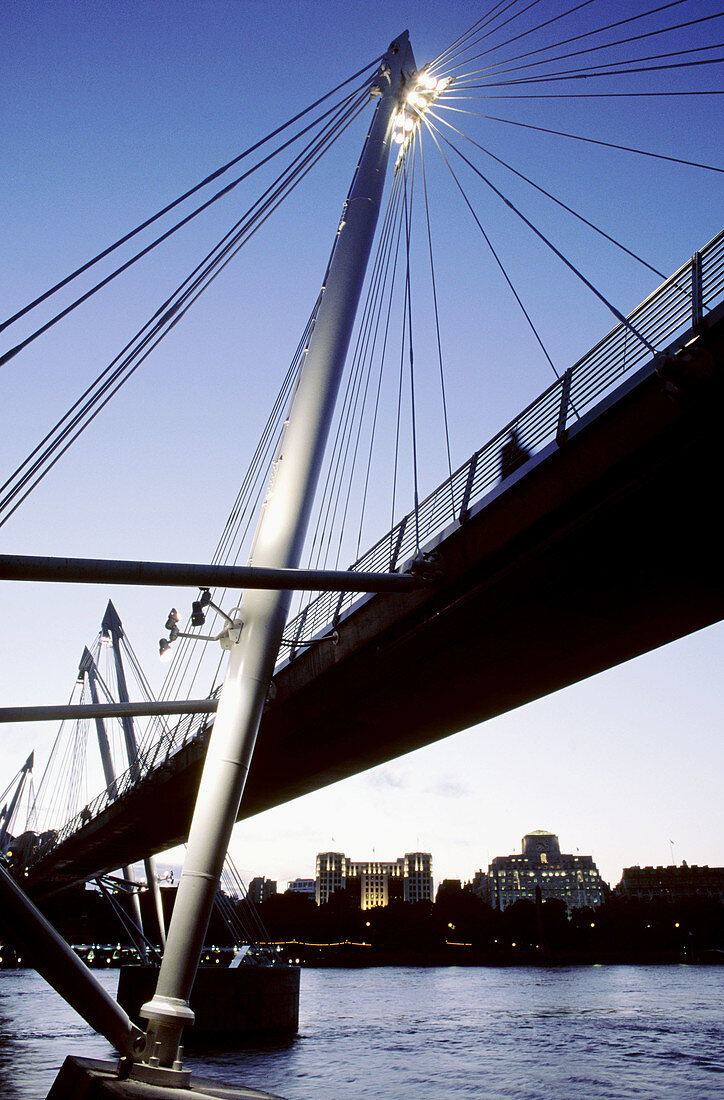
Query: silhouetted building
[302,886]
[671,883]
[375,882]
[481,886]
[260,889]
[573,879]
[447,888]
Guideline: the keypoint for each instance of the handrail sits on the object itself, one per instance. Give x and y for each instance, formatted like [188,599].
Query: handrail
[680,303]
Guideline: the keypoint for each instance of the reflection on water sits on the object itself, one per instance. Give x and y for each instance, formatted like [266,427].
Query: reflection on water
[579,1032]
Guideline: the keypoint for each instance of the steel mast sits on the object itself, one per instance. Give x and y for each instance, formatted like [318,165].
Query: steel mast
[112,628]
[6,816]
[279,544]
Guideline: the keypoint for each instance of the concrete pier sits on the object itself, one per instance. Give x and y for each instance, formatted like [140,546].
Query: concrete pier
[90,1079]
[248,1003]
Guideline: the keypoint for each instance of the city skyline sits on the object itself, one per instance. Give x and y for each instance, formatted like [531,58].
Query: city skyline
[260,874]
[110,113]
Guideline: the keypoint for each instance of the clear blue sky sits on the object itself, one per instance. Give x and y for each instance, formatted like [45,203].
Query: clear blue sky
[111,110]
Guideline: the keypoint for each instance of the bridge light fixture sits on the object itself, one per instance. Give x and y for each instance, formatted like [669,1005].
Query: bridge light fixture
[173,619]
[418,100]
[198,615]
[228,637]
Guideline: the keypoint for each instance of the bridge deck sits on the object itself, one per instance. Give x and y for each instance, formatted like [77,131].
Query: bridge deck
[596,551]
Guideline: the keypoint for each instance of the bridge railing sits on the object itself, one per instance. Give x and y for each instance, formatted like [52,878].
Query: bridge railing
[149,760]
[675,307]
[678,305]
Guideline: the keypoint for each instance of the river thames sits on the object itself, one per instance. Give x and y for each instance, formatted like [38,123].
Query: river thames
[596,1031]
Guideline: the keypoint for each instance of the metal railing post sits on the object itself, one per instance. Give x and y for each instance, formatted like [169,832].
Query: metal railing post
[561,433]
[302,621]
[464,503]
[697,300]
[395,551]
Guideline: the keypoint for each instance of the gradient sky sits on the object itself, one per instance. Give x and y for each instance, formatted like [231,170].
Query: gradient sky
[110,110]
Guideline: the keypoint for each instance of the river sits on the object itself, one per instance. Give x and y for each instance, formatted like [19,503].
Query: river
[599,1032]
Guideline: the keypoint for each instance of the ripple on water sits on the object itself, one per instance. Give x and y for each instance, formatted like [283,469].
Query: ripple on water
[613,1033]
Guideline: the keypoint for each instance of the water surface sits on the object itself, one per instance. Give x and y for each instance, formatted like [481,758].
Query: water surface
[577,1032]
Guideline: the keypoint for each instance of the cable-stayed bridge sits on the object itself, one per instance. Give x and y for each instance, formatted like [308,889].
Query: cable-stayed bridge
[583,534]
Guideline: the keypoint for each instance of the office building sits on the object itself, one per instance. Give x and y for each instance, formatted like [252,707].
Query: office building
[481,886]
[671,883]
[572,879]
[374,882]
[260,889]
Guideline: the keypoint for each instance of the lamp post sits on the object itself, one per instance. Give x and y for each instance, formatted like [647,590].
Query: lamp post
[279,544]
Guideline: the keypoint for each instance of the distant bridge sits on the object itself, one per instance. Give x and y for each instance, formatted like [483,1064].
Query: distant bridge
[583,534]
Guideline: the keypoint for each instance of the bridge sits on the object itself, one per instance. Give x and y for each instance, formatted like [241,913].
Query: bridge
[582,535]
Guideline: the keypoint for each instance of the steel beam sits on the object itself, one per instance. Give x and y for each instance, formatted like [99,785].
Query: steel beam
[106,710]
[22,567]
[61,968]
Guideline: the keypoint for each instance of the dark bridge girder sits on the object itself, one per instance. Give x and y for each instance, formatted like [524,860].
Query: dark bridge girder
[602,550]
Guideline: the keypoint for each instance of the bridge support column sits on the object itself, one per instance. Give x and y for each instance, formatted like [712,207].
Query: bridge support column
[61,968]
[279,544]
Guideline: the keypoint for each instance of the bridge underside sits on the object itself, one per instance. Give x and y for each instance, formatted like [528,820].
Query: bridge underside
[603,550]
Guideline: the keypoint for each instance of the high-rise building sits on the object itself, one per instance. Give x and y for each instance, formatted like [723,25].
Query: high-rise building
[331,875]
[375,882]
[260,889]
[418,876]
[573,879]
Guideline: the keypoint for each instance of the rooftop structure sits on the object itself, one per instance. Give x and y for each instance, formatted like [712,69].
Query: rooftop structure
[301,886]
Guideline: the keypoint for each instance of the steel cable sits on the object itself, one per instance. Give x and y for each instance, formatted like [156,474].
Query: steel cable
[176,202]
[170,316]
